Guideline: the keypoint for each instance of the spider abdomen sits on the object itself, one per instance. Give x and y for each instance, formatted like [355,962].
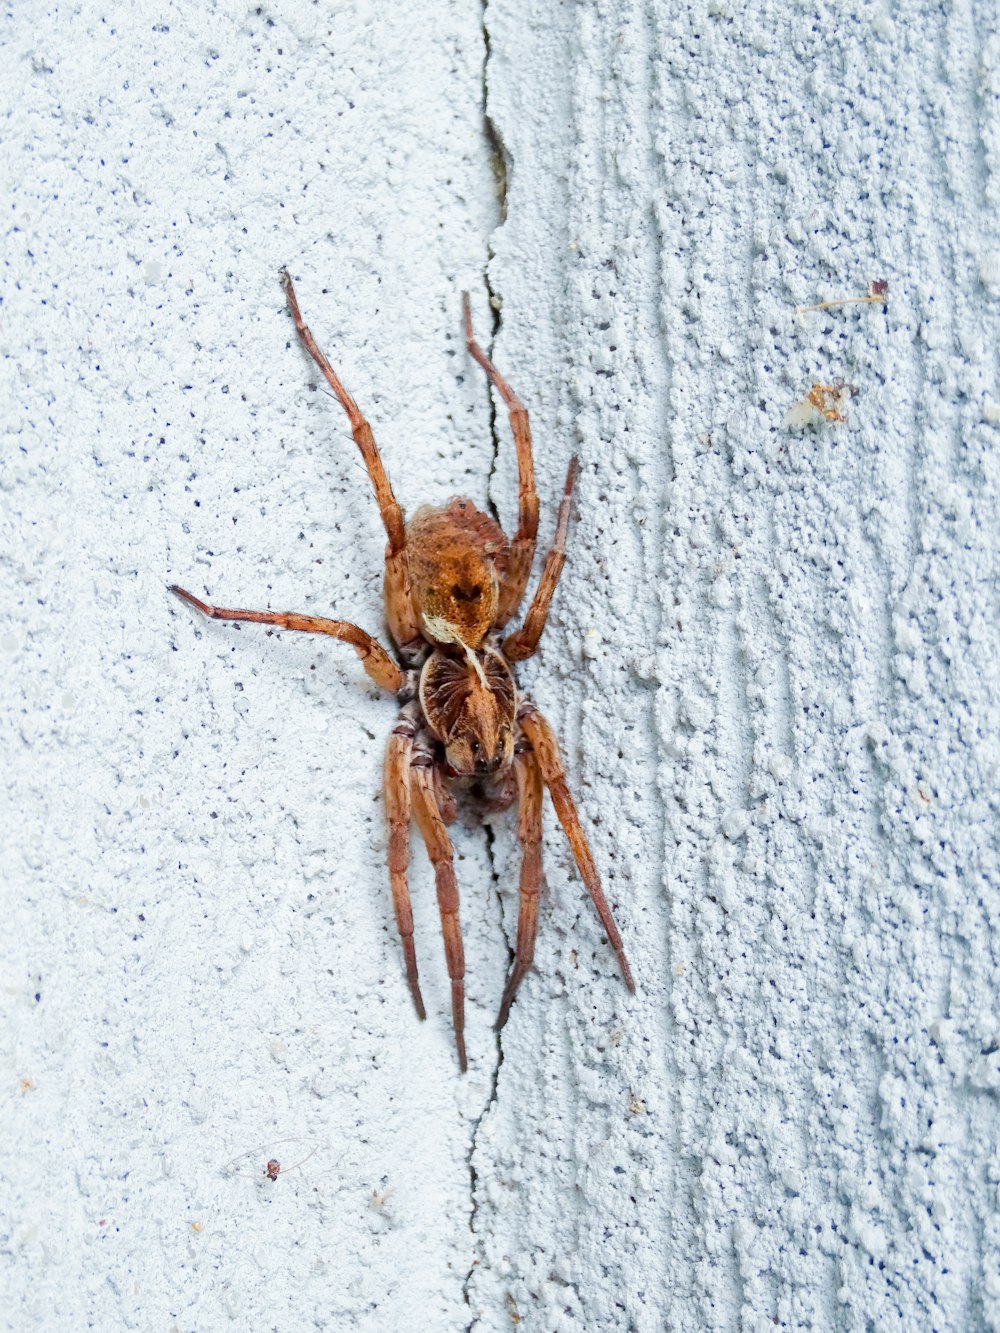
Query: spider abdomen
[457,556]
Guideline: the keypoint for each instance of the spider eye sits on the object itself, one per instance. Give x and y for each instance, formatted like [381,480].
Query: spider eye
[474,747]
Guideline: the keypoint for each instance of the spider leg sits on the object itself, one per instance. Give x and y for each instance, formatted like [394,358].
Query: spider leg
[439,849]
[524,642]
[443,794]
[374,658]
[397,811]
[399,604]
[529,835]
[539,733]
[522,548]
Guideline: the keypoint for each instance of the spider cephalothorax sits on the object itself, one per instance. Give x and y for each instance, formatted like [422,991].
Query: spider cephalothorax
[469,705]
[452,583]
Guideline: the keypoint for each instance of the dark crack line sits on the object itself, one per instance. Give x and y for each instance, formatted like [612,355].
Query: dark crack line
[494,425]
[491,1100]
[498,161]
[498,149]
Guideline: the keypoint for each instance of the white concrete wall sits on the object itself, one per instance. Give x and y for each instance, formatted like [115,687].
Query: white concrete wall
[772,661]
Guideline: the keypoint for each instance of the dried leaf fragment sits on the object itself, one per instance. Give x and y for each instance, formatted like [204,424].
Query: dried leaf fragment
[829,399]
[823,401]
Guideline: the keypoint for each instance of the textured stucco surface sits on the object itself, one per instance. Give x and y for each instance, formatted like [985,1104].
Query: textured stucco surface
[772,662]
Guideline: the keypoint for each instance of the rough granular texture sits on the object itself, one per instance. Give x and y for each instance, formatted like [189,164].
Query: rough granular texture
[786,712]
[772,663]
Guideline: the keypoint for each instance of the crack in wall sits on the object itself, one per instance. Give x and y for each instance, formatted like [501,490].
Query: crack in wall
[498,149]
[498,163]
[490,1102]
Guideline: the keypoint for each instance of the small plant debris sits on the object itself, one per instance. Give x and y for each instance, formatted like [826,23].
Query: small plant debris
[823,402]
[878,294]
[382,1196]
[257,1163]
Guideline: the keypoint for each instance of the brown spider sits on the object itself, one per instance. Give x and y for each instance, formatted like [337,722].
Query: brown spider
[452,583]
